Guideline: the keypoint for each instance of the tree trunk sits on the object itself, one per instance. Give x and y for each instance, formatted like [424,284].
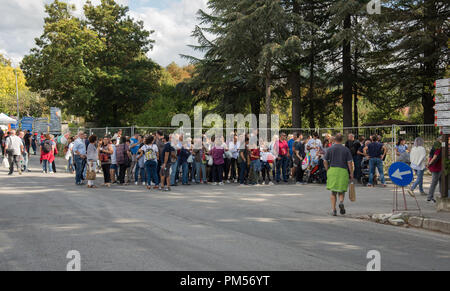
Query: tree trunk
[268,100]
[312,122]
[430,65]
[294,81]
[347,78]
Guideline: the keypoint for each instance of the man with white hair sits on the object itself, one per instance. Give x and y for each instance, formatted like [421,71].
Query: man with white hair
[14,149]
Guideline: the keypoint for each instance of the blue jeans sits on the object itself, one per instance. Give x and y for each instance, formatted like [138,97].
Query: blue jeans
[185,177]
[419,181]
[173,174]
[242,172]
[282,166]
[79,162]
[376,163]
[139,171]
[70,165]
[150,167]
[45,165]
[357,159]
[199,166]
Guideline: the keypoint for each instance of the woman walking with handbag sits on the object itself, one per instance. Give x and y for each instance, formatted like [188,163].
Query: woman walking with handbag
[92,157]
[105,150]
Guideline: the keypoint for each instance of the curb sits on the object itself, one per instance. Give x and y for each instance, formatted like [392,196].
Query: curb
[405,220]
[430,224]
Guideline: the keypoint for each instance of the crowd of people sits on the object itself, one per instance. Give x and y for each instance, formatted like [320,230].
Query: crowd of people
[161,161]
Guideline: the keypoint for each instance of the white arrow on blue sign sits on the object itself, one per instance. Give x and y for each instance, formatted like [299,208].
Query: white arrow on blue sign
[401,174]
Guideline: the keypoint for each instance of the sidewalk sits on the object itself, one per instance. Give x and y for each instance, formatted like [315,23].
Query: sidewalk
[371,201]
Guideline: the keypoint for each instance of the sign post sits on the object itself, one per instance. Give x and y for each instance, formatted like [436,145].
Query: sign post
[442,107]
[402,175]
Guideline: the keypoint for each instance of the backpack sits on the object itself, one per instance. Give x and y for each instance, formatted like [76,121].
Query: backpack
[47,147]
[121,154]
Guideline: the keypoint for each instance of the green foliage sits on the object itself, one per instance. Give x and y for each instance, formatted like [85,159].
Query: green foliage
[30,103]
[93,67]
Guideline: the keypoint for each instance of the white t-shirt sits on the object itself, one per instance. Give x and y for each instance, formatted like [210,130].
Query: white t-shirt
[113,156]
[69,151]
[314,143]
[150,152]
[14,143]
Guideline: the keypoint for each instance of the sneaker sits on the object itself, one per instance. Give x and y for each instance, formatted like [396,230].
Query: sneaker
[431,201]
[235,180]
[166,189]
[299,183]
[143,183]
[411,193]
[271,183]
[423,193]
[221,184]
[228,182]
[334,213]
[342,209]
[369,186]
[135,183]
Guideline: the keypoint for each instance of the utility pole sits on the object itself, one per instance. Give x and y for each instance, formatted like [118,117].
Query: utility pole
[17,94]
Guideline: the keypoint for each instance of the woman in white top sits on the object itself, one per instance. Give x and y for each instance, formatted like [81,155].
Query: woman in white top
[418,158]
[92,157]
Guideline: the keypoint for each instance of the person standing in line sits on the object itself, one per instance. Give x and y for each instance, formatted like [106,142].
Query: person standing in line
[150,152]
[376,152]
[435,167]
[54,153]
[282,159]
[140,165]
[25,153]
[299,156]
[160,144]
[114,170]
[92,157]
[123,158]
[79,151]
[418,158]
[338,162]
[47,157]
[105,151]
[14,149]
[27,141]
[167,155]
[217,153]
[243,162]
[353,145]
[69,155]
[199,157]
[34,143]
[135,143]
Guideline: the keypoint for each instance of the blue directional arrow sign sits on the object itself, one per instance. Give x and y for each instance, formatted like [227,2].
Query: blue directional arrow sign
[401,174]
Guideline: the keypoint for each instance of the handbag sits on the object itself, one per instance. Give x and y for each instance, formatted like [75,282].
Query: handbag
[90,173]
[5,163]
[352,192]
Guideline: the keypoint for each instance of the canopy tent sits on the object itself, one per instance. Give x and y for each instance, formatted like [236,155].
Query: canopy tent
[5,119]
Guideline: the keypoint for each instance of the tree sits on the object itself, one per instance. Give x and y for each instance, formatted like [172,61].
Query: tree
[96,67]
[411,52]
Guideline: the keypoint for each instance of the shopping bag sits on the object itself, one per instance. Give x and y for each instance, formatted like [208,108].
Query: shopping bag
[352,192]
[5,163]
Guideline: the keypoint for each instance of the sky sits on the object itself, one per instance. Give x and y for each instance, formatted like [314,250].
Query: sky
[172,20]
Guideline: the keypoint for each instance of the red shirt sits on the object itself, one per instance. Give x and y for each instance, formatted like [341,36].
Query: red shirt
[283,147]
[255,155]
[437,167]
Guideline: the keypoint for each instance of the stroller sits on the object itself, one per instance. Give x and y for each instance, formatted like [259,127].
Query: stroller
[365,170]
[315,172]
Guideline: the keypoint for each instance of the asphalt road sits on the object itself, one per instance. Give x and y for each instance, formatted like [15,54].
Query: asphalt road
[43,217]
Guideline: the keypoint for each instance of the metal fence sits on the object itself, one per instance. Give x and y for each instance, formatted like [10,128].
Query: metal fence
[390,134]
